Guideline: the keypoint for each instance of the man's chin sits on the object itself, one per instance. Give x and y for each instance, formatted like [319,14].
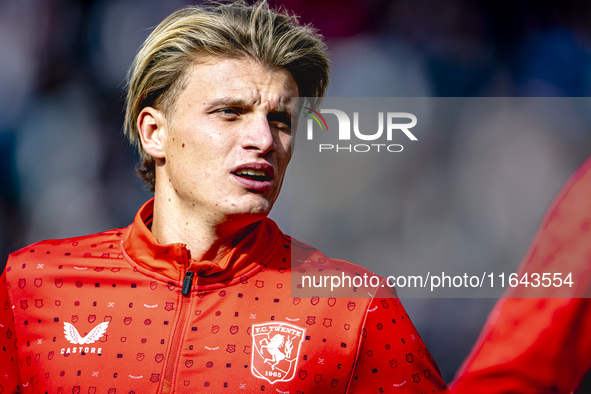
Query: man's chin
[255,204]
[250,212]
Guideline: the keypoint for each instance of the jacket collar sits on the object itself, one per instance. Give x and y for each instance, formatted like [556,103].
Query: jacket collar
[172,260]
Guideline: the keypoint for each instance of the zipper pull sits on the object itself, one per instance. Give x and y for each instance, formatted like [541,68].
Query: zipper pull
[188,283]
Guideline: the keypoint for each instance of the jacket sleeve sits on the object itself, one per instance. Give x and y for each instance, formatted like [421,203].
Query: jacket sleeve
[9,370]
[392,356]
[530,346]
[536,340]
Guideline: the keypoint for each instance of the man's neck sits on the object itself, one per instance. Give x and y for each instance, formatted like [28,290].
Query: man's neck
[207,237]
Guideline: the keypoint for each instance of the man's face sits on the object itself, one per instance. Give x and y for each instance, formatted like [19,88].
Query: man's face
[229,138]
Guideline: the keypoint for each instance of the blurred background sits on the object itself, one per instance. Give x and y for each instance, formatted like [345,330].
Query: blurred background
[65,169]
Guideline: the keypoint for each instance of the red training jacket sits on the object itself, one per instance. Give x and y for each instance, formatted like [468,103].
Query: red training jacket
[116,312]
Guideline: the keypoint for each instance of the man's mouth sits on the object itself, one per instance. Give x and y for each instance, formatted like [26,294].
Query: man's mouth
[254,175]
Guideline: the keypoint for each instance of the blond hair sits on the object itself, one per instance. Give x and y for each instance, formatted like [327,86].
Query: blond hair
[235,30]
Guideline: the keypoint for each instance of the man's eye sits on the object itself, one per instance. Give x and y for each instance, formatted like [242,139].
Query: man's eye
[281,125]
[280,121]
[229,111]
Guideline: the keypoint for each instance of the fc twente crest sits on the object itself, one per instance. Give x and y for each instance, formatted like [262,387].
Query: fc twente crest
[277,348]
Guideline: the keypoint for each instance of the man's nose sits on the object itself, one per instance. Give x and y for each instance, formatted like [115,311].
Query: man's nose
[258,135]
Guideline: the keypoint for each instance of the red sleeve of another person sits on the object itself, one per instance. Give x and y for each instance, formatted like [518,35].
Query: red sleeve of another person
[542,344]
[9,371]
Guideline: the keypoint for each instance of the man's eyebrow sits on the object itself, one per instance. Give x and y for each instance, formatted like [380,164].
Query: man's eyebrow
[227,101]
[282,109]
[237,102]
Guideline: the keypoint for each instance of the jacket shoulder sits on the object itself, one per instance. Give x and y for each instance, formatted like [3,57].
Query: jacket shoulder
[102,242]
[305,256]
[314,274]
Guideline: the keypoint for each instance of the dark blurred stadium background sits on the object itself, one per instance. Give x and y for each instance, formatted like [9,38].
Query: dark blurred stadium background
[65,169]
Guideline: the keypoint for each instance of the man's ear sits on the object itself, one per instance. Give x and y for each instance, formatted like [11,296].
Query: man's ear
[152,128]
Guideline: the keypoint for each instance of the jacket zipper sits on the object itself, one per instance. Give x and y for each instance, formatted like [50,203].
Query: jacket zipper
[172,361]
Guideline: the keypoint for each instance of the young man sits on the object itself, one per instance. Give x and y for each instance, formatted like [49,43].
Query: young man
[195,295]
